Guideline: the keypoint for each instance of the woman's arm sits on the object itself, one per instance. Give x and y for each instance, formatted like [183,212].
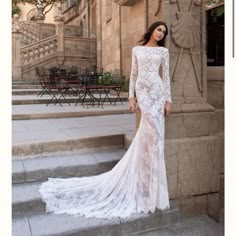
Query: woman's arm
[166,76]
[133,74]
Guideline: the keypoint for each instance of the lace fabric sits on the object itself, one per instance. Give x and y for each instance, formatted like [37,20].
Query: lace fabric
[138,182]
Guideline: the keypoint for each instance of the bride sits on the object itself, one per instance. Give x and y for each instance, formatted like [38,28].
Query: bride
[138,182]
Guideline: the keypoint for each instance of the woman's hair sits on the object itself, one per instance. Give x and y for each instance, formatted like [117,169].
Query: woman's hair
[145,38]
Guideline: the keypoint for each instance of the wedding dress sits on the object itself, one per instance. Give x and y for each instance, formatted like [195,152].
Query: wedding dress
[138,182]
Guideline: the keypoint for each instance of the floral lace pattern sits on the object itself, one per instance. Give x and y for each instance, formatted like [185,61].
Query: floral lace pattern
[138,182]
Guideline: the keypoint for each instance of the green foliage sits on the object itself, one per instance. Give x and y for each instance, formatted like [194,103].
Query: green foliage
[125,87]
[110,79]
[105,79]
[15,10]
[43,4]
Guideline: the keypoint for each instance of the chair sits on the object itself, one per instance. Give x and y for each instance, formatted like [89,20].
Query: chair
[43,76]
[53,84]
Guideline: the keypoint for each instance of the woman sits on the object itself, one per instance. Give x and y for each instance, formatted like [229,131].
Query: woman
[138,182]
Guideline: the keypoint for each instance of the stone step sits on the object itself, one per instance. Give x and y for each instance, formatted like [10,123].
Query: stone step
[50,224]
[45,99]
[67,164]
[26,84]
[161,223]
[30,91]
[35,90]
[22,151]
[26,200]
[40,111]
[188,226]
[25,196]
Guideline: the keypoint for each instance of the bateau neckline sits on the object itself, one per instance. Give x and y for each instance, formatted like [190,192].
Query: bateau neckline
[150,46]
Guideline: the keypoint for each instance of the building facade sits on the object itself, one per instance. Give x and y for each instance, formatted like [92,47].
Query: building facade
[108,30]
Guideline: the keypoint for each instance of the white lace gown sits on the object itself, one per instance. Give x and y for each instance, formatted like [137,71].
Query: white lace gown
[138,182]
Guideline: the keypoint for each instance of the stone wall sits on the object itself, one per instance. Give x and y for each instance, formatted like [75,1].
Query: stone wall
[132,29]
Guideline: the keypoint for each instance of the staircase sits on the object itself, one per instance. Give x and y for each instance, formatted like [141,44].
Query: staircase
[29,35]
[30,218]
[90,154]
[31,48]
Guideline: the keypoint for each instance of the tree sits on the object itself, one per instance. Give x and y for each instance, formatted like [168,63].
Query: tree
[41,5]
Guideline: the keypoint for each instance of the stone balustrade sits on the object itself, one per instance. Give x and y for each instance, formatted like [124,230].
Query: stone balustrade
[39,50]
[29,35]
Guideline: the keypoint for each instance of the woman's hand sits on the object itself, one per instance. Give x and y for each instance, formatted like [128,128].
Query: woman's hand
[132,104]
[167,108]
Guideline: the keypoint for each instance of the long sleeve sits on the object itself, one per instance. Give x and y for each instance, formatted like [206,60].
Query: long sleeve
[166,76]
[133,74]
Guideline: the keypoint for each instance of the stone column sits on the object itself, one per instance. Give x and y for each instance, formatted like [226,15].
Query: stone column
[99,32]
[16,50]
[59,19]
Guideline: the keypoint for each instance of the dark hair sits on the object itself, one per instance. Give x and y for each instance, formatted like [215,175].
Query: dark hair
[146,37]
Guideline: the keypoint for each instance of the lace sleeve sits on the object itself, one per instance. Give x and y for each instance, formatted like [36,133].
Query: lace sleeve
[133,74]
[166,76]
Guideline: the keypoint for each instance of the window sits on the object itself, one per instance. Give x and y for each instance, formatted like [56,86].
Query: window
[215,36]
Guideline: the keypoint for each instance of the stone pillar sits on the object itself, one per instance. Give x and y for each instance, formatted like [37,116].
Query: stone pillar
[59,19]
[192,139]
[16,50]
[99,32]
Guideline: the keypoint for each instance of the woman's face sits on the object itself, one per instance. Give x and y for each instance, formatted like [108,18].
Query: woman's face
[159,33]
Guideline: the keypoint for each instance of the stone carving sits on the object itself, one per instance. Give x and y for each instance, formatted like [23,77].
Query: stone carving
[186,34]
[32,14]
[39,50]
[58,16]
[158,8]
[15,26]
[125,2]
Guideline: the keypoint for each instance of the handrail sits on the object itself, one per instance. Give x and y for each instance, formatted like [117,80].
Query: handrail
[39,50]
[23,24]
[29,35]
[41,41]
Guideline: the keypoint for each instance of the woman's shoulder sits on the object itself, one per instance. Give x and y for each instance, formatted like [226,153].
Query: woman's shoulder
[135,48]
[165,49]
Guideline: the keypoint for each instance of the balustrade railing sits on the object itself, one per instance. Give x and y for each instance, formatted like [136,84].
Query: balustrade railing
[39,50]
[29,35]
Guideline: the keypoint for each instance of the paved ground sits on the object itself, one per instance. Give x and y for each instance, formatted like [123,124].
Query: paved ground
[51,108]
[38,130]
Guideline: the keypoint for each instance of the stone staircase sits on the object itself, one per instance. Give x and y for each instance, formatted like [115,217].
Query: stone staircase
[46,45]
[28,105]
[34,162]
[29,217]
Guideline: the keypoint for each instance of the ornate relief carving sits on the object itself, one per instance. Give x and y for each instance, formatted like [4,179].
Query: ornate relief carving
[158,8]
[15,26]
[32,14]
[186,31]
[125,2]
[186,34]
